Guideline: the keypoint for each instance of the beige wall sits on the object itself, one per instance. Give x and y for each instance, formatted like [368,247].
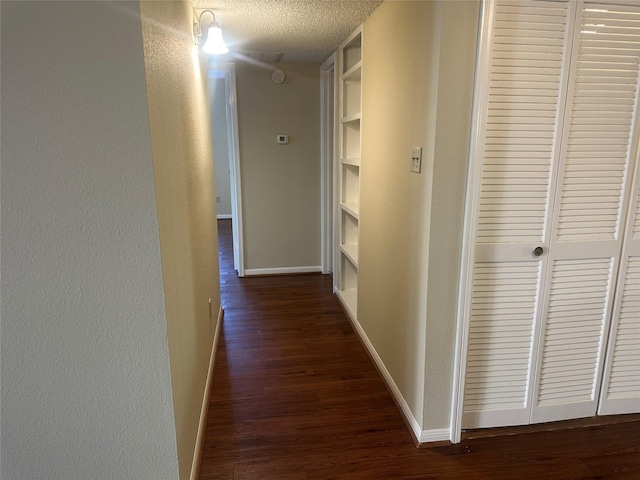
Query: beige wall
[394,215]
[181,146]
[280,183]
[456,66]
[411,223]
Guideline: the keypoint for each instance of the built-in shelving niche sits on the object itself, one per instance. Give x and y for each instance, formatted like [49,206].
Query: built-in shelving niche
[348,214]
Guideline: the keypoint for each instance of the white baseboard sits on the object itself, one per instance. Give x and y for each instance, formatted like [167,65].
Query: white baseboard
[422,436]
[280,271]
[224,216]
[435,435]
[204,410]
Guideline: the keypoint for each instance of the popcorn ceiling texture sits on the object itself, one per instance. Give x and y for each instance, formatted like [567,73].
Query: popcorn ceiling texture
[303,30]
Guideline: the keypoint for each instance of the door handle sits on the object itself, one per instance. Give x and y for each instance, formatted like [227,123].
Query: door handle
[538,251]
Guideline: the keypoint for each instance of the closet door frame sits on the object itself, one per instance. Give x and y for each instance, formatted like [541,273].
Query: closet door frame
[471,216]
[480,101]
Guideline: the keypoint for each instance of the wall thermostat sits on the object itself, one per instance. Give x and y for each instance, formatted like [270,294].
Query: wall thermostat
[282,139]
[278,76]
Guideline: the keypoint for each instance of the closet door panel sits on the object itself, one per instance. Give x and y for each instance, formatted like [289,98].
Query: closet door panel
[524,105]
[600,134]
[524,100]
[503,310]
[559,129]
[573,338]
[621,380]
[599,139]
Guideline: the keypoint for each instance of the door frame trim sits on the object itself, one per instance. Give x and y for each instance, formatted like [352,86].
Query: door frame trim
[327,154]
[470,224]
[236,175]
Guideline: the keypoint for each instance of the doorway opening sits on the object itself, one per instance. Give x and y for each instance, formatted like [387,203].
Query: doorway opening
[226,154]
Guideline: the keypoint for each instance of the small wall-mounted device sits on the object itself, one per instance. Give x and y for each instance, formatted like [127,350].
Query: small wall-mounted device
[416,159]
[282,139]
[278,76]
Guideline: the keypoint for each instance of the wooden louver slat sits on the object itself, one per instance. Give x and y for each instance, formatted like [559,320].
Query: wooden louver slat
[604,102]
[522,110]
[574,329]
[502,316]
[636,222]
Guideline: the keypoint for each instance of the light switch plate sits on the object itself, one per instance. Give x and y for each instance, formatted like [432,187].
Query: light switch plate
[416,159]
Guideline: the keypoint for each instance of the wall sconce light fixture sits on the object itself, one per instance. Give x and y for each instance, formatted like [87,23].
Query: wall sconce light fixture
[215,43]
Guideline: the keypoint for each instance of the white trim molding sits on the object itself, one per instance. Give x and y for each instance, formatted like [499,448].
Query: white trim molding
[204,410]
[281,270]
[327,153]
[434,435]
[224,216]
[470,225]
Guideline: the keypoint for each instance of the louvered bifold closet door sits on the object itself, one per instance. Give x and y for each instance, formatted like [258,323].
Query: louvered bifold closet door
[598,147]
[621,380]
[521,107]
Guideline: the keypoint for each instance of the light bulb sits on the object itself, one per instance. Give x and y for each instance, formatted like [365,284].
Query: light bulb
[215,43]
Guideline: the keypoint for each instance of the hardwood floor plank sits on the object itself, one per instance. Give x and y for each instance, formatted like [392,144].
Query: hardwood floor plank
[295,396]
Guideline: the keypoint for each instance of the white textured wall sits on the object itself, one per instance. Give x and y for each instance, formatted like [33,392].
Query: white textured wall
[219,132]
[280,183]
[86,390]
[180,126]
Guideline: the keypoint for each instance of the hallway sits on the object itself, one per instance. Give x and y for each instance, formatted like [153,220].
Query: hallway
[295,396]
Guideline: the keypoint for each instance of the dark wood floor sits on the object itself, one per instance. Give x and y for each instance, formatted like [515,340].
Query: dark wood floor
[295,396]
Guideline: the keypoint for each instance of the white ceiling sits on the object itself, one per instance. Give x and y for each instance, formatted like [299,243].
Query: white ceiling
[301,30]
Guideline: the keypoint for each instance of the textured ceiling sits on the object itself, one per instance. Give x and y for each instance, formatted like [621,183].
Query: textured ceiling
[301,30]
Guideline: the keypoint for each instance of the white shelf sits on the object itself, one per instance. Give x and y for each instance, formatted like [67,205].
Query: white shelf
[351,208]
[354,74]
[348,177]
[350,118]
[350,250]
[353,161]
